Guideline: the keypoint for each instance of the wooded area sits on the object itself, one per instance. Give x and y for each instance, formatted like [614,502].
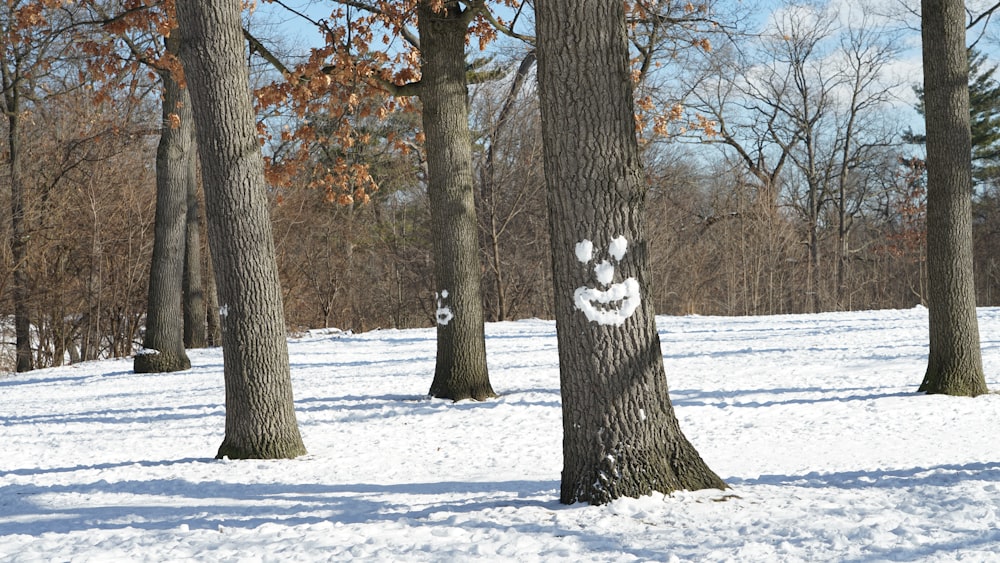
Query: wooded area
[721,163]
[812,201]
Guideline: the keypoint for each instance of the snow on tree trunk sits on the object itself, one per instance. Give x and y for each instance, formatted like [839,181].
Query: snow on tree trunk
[621,437]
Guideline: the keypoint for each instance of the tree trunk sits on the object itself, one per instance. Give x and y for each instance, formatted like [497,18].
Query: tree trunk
[260,414]
[19,231]
[461,371]
[813,281]
[213,324]
[620,434]
[954,365]
[163,343]
[194,292]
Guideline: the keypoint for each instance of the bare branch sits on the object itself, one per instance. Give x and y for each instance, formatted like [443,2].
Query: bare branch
[983,16]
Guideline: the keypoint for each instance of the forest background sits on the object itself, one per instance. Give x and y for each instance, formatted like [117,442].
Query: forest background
[781,146]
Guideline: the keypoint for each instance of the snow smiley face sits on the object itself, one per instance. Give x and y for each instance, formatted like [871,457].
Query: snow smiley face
[609,304]
[443,315]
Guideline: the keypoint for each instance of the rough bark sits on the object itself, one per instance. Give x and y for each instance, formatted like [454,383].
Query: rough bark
[260,414]
[194,293]
[213,325]
[954,364]
[163,343]
[460,372]
[620,434]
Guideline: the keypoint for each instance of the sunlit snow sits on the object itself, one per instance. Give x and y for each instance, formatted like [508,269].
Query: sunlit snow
[814,421]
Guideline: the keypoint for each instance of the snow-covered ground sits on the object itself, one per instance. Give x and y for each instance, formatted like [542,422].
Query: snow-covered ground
[814,421]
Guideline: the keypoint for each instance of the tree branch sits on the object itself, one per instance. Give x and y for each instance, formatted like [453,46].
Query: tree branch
[508,30]
[407,33]
[985,15]
[257,47]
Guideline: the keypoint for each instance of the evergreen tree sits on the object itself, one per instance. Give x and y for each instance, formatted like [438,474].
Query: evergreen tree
[984,114]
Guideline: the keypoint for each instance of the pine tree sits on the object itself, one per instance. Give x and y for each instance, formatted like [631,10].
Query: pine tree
[984,114]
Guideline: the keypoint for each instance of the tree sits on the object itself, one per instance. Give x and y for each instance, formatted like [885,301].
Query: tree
[805,105]
[85,190]
[984,118]
[861,136]
[14,78]
[260,414]
[163,343]
[442,31]
[511,198]
[954,364]
[984,114]
[460,371]
[29,43]
[142,30]
[620,434]
[195,319]
[984,108]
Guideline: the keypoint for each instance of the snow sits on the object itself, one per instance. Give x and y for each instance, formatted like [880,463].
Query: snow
[605,272]
[813,420]
[609,307]
[443,314]
[584,251]
[618,247]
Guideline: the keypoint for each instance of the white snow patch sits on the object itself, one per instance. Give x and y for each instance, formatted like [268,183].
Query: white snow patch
[618,248]
[610,307]
[584,251]
[605,272]
[443,313]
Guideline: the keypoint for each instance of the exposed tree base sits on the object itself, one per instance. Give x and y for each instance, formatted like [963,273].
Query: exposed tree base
[956,384]
[160,363]
[462,391]
[264,451]
[641,474]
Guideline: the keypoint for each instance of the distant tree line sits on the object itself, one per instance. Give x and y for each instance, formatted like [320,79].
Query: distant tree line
[763,198]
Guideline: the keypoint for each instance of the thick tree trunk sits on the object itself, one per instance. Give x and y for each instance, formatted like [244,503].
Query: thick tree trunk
[260,414]
[954,365]
[461,371]
[194,293]
[620,434]
[163,343]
